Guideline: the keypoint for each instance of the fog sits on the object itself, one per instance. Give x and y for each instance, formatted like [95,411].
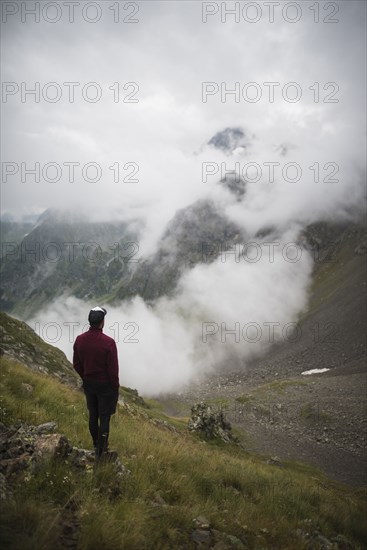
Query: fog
[169,53]
[178,340]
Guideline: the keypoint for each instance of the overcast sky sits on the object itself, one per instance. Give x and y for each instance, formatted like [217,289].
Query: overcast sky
[169,52]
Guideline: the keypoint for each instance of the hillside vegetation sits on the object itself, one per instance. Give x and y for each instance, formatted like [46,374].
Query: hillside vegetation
[19,341]
[176,478]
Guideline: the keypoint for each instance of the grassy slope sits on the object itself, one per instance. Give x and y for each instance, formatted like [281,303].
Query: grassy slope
[338,269]
[22,343]
[238,492]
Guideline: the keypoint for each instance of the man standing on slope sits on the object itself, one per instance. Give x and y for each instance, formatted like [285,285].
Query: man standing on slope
[95,360]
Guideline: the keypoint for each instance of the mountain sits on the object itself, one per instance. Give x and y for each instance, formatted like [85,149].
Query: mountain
[62,254]
[229,139]
[317,418]
[12,233]
[182,246]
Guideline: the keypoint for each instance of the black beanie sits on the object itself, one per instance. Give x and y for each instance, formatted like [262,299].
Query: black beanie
[96,315]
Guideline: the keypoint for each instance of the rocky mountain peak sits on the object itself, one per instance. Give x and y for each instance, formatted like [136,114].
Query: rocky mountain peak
[229,139]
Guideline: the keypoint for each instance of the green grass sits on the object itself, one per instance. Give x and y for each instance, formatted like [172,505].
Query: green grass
[313,415]
[237,491]
[329,276]
[281,385]
[276,387]
[17,335]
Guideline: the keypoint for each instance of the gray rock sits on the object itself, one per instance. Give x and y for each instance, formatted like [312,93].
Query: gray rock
[201,522]
[27,387]
[22,449]
[47,427]
[81,458]
[159,500]
[225,541]
[361,249]
[51,445]
[201,536]
[274,460]
[210,424]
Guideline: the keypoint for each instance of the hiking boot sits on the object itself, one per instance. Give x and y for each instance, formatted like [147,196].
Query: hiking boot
[109,456]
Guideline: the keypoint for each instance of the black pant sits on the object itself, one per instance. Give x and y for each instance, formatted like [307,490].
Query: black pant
[101,403]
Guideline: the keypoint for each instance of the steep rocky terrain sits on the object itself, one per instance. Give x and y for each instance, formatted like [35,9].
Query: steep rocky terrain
[319,418]
[181,247]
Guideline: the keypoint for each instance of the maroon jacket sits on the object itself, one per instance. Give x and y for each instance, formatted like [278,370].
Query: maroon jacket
[95,357]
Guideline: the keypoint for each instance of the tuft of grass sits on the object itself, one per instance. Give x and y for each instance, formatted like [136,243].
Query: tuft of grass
[25,524]
[281,385]
[313,415]
[263,391]
[246,399]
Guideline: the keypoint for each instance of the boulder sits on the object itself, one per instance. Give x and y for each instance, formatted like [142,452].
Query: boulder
[210,424]
[201,536]
[52,446]
[47,427]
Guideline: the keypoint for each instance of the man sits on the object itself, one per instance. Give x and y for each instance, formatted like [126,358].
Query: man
[95,360]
